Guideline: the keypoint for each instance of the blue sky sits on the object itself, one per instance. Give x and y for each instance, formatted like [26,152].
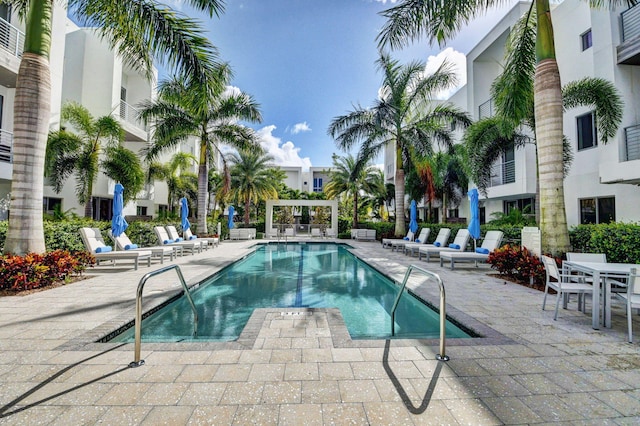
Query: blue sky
[306,62]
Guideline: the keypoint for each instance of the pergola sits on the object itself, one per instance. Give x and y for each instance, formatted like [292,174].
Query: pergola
[309,203]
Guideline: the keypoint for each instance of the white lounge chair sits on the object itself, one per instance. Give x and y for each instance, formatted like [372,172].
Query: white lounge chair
[165,240]
[188,236]
[422,237]
[563,284]
[459,244]
[491,242]
[315,232]
[173,234]
[122,242]
[441,241]
[388,242]
[94,243]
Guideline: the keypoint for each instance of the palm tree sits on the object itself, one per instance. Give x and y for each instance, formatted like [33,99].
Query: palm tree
[251,180]
[349,178]
[138,30]
[175,173]
[403,116]
[80,153]
[188,108]
[439,21]
[513,93]
[377,193]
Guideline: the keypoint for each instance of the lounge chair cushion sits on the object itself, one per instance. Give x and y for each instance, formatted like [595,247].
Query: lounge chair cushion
[177,240]
[168,242]
[193,237]
[406,238]
[482,250]
[454,246]
[104,249]
[437,244]
[130,246]
[418,241]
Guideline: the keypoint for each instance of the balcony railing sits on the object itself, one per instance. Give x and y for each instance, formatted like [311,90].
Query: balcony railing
[485,110]
[6,146]
[630,19]
[503,173]
[632,142]
[11,38]
[130,115]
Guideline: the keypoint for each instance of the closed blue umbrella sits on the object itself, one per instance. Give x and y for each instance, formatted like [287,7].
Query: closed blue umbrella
[474,223]
[118,224]
[413,217]
[184,214]
[231,211]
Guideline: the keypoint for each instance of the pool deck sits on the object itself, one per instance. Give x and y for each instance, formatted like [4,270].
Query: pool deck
[299,366]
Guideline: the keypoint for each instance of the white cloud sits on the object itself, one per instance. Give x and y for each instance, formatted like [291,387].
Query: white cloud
[284,154]
[385,1]
[174,4]
[300,127]
[459,62]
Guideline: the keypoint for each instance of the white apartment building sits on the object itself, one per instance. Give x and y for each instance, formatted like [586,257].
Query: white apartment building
[602,184]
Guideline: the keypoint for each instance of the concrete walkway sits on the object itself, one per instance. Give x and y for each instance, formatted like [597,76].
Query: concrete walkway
[299,366]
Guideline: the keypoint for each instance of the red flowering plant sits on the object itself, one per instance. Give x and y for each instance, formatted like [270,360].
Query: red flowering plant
[517,263]
[31,271]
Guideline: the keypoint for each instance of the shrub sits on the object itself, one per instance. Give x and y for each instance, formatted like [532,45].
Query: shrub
[34,270]
[518,263]
[620,242]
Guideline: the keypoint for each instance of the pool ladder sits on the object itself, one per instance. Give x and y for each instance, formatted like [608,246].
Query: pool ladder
[443,316]
[137,362]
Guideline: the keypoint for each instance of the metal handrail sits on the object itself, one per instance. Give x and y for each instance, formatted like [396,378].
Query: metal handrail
[137,362]
[443,316]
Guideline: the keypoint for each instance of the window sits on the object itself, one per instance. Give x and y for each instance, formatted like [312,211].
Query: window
[49,204]
[454,213]
[597,210]
[587,135]
[525,205]
[317,184]
[141,210]
[586,39]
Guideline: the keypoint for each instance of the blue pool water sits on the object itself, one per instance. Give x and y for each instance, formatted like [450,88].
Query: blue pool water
[316,275]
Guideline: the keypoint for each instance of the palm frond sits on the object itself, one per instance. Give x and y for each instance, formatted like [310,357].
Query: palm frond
[123,165]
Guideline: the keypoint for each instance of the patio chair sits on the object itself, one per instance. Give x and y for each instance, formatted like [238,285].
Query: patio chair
[165,240]
[491,242]
[422,239]
[173,235]
[315,232]
[188,236]
[631,299]
[459,244]
[563,284]
[288,232]
[94,243]
[388,242]
[441,240]
[122,242]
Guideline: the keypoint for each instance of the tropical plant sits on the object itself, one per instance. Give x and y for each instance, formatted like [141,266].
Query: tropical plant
[440,21]
[251,181]
[403,116]
[377,195]
[180,182]
[187,108]
[138,30]
[79,151]
[350,178]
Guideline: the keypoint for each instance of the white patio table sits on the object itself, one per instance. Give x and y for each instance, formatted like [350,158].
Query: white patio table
[599,270]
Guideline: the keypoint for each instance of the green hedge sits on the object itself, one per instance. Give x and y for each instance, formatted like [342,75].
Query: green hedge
[619,241]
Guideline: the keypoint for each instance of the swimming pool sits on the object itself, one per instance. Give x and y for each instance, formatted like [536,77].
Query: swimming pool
[294,275]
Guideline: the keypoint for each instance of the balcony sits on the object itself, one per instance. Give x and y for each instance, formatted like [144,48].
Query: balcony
[503,173]
[6,146]
[627,169]
[629,49]
[11,48]
[135,129]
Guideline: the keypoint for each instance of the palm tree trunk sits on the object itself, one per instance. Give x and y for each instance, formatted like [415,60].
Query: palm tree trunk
[203,188]
[399,182]
[548,112]
[548,116]
[355,209]
[247,207]
[32,111]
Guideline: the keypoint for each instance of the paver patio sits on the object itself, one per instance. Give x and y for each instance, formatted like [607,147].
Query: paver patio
[301,367]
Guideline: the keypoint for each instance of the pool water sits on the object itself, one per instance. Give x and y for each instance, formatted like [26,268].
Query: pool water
[315,275]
